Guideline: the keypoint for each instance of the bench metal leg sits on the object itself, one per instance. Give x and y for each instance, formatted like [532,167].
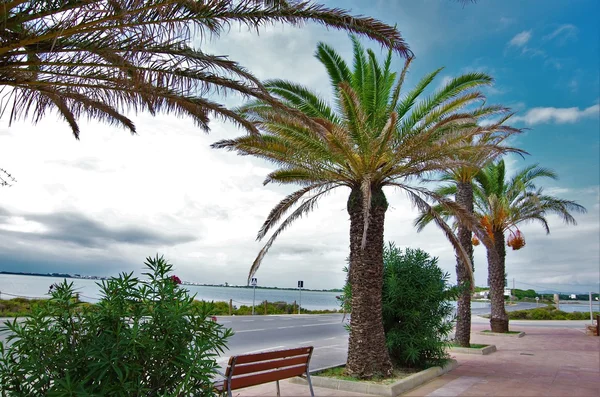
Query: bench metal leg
[312,393]
[278,392]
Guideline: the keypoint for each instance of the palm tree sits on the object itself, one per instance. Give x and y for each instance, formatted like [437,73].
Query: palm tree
[460,186]
[503,204]
[372,137]
[100,58]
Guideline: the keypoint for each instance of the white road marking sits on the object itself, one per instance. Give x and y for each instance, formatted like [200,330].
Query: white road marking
[334,337]
[316,325]
[285,327]
[455,387]
[264,350]
[270,320]
[306,341]
[223,322]
[332,346]
[250,330]
[247,321]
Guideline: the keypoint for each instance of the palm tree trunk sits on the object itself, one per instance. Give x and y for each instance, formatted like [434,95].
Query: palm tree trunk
[496,274]
[367,352]
[464,197]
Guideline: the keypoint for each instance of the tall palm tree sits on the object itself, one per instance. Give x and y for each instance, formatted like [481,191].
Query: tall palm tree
[460,187]
[100,58]
[501,205]
[370,138]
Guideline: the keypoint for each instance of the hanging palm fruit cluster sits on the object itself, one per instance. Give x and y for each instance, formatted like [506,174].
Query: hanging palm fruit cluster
[516,240]
[487,225]
[475,241]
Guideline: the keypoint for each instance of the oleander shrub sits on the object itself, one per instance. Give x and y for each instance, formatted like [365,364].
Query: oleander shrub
[417,313]
[145,337]
[548,313]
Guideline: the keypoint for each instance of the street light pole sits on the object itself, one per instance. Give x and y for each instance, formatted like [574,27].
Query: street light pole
[254,282]
[300,285]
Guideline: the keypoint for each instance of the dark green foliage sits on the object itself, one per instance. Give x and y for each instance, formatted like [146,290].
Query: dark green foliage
[548,313]
[520,294]
[144,338]
[19,307]
[417,313]
[222,309]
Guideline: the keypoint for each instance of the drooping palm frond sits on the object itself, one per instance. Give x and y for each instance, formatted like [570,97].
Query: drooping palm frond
[304,208]
[102,58]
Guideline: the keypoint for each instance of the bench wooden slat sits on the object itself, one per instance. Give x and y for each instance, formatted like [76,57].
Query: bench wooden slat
[264,377]
[242,369]
[250,358]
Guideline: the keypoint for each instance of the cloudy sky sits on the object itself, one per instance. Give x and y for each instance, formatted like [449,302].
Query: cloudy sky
[101,205]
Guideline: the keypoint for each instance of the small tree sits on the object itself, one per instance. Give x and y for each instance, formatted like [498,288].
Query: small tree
[144,338]
[417,314]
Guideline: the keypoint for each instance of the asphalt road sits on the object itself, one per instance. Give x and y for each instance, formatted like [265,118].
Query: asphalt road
[254,334]
[325,332]
[509,308]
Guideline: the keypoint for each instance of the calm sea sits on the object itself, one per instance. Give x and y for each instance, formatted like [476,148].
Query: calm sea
[37,287]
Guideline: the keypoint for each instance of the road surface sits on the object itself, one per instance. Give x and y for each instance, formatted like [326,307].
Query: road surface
[325,332]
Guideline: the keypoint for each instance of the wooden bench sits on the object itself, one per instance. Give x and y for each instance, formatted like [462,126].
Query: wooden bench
[246,370]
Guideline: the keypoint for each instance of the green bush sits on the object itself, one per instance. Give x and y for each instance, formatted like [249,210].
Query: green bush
[548,313]
[417,314]
[144,338]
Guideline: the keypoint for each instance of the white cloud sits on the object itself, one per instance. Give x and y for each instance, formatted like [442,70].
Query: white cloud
[520,39]
[168,182]
[563,33]
[505,22]
[541,115]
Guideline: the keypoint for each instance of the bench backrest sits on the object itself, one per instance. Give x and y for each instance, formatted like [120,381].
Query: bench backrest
[255,369]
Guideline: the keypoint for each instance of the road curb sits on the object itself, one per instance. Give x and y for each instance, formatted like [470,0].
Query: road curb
[395,389]
[503,334]
[489,349]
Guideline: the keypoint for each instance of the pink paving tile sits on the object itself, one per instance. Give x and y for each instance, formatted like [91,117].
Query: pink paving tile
[561,361]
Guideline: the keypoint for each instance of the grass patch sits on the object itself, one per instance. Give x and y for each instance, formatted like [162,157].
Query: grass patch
[20,307]
[340,373]
[548,313]
[509,332]
[473,345]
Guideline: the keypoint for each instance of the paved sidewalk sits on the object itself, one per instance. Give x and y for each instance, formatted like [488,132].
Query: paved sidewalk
[545,362]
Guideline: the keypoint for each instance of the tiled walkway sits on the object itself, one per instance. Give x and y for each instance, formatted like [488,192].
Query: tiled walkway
[546,362]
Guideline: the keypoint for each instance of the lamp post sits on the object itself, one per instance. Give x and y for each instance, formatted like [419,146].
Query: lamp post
[300,286]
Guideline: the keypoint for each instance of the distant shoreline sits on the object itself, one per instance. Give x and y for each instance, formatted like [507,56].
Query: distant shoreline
[79,277]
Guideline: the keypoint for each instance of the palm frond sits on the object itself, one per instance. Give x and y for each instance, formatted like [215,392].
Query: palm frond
[425,207]
[136,55]
[284,205]
[304,208]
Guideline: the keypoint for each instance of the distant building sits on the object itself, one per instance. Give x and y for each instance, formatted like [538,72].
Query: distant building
[481,294]
[573,296]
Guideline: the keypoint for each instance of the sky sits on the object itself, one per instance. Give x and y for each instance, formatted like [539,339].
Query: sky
[101,205]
